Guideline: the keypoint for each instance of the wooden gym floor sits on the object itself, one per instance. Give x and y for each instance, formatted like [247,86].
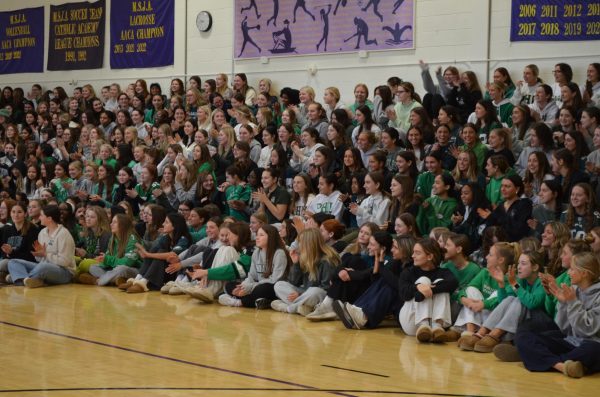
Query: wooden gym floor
[79,340]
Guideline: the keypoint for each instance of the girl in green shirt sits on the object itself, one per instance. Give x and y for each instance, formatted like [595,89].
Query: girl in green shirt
[437,210]
[496,167]
[480,297]
[472,142]
[61,184]
[522,295]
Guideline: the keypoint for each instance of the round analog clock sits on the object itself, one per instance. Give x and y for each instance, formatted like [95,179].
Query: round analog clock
[204,21]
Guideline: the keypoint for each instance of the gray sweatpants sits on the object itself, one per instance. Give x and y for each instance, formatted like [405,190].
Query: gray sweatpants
[310,297]
[106,277]
[505,316]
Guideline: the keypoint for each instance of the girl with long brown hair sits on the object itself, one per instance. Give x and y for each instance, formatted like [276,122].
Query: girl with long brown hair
[270,263]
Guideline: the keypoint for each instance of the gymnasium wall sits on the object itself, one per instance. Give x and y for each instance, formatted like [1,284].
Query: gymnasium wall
[473,34]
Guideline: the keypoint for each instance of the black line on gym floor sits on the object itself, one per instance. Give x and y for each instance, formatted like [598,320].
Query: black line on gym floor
[304,388]
[127,349]
[355,370]
[312,390]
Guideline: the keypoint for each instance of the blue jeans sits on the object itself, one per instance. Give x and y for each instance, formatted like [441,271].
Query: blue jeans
[50,273]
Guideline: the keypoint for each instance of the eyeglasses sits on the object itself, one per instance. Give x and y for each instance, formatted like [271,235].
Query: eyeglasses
[184,210]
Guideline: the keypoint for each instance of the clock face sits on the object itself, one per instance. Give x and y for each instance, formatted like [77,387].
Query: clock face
[204,21]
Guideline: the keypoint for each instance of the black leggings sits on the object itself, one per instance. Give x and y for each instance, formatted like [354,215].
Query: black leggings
[264,290]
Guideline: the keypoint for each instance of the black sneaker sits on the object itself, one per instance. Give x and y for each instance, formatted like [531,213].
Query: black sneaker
[262,304]
[340,309]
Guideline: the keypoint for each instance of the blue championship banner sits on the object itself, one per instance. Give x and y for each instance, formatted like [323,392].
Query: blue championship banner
[77,36]
[555,20]
[22,41]
[142,33]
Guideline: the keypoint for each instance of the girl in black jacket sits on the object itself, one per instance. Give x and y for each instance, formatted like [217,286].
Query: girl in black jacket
[425,290]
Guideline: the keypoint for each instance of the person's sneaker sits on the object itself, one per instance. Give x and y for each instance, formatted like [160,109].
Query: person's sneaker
[88,279]
[228,300]
[468,342]
[340,309]
[202,294]
[167,287]
[279,306]
[8,279]
[486,344]
[424,333]
[304,310]
[262,304]
[322,313]
[573,369]
[357,314]
[507,352]
[33,282]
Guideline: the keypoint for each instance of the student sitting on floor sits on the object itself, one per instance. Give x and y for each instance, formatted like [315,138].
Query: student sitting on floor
[425,289]
[521,299]
[121,260]
[175,238]
[270,263]
[575,349]
[231,262]
[55,251]
[310,276]
[480,297]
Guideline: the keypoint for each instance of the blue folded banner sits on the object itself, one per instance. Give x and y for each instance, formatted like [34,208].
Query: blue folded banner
[142,33]
[555,20]
[22,41]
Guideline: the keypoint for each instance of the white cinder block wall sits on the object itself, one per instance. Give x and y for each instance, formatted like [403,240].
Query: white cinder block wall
[472,34]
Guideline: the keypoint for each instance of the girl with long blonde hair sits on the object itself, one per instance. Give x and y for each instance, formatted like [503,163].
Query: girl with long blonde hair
[310,276]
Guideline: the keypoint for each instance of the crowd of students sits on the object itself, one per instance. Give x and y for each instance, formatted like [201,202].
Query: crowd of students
[468,215]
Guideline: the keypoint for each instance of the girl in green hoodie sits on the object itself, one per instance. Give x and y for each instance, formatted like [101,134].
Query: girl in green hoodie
[480,297]
[497,168]
[437,210]
[121,259]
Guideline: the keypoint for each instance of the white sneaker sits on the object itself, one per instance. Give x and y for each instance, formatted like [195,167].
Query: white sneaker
[279,306]
[357,315]
[167,287]
[304,310]
[228,300]
[200,293]
[322,313]
[179,287]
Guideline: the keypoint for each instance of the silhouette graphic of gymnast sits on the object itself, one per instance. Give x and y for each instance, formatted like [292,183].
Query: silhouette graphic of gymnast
[375,4]
[325,18]
[342,2]
[396,33]
[397,5]
[302,4]
[247,38]
[362,30]
[252,5]
[283,40]
[275,13]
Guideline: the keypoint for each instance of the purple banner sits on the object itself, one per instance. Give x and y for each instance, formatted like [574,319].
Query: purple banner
[555,20]
[142,33]
[300,27]
[77,36]
[22,41]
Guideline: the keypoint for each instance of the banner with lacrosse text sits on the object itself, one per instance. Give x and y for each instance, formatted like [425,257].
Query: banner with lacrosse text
[142,33]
